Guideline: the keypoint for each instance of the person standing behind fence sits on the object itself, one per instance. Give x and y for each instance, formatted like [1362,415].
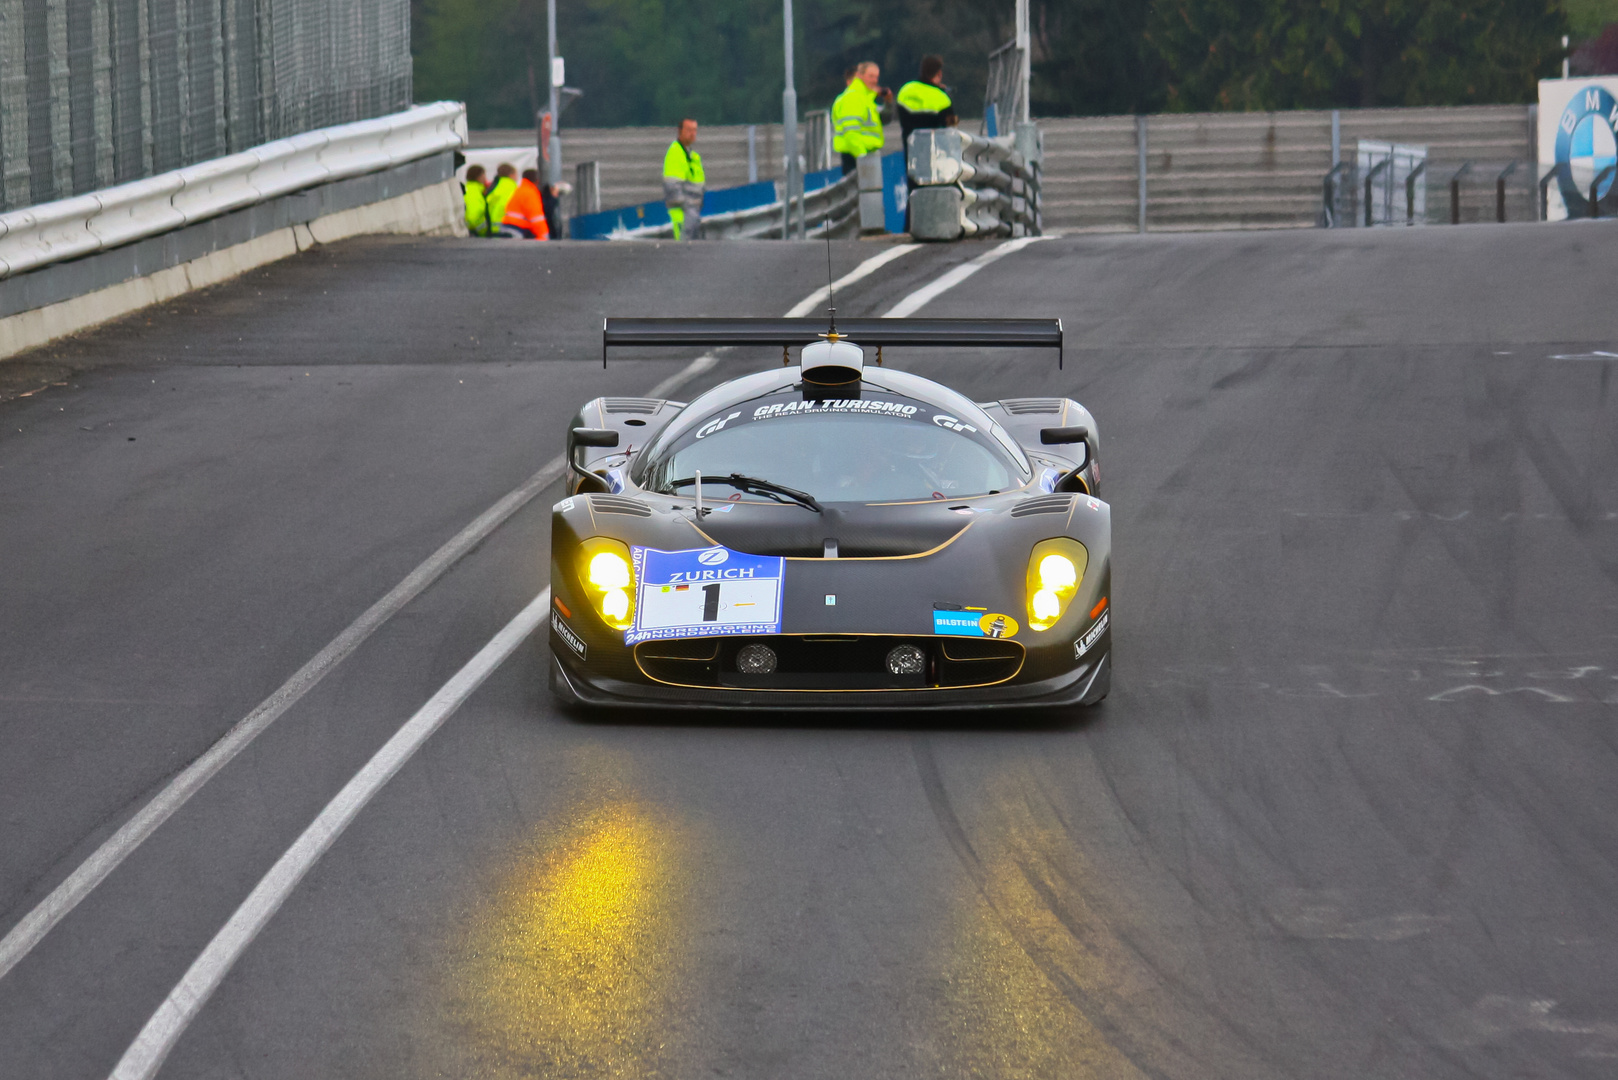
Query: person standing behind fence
[525,213]
[505,186]
[683,183]
[857,116]
[924,103]
[475,194]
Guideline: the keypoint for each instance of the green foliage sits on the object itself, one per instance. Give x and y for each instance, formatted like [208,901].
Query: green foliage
[1585,18]
[653,61]
[1276,54]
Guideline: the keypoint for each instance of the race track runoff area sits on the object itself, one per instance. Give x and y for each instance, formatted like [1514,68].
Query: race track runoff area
[1349,810]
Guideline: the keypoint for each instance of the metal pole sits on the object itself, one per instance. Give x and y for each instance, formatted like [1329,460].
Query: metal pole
[1140,169]
[554,155]
[1336,138]
[1024,62]
[752,153]
[789,126]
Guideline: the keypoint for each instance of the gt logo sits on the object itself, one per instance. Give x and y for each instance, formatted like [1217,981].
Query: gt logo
[944,420]
[713,556]
[714,425]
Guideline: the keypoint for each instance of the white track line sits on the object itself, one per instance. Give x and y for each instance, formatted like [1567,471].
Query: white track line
[39,921]
[147,1053]
[927,293]
[117,847]
[157,1038]
[864,269]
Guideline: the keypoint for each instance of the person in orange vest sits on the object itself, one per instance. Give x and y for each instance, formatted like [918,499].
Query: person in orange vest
[525,213]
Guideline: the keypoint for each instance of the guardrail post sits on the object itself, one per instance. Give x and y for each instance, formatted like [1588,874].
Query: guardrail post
[1140,169]
[1455,193]
[1410,192]
[1500,192]
[752,153]
[1544,193]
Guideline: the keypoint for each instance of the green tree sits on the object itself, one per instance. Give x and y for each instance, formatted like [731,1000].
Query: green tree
[1274,54]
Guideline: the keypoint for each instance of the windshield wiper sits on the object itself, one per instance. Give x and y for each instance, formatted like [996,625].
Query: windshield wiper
[755,486]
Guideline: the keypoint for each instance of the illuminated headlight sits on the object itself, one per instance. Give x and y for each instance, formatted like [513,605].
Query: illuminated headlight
[906,660]
[1054,571]
[609,579]
[755,660]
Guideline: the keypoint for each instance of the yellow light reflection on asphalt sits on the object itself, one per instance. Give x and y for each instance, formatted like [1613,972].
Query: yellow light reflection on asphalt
[570,967]
[1004,1015]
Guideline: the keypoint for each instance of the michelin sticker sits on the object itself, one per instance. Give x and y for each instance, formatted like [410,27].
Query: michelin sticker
[565,632]
[705,592]
[1092,635]
[955,621]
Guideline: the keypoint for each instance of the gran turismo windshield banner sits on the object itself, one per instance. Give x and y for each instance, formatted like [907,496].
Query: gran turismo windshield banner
[780,406]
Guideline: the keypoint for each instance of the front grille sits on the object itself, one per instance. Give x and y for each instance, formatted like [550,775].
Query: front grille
[631,405]
[1019,406]
[617,504]
[1045,504]
[848,662]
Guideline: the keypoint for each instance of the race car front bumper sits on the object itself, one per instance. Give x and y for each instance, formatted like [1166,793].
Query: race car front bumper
[1085,684]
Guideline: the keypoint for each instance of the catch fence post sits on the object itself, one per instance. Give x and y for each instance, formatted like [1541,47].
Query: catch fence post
[1140,168]
[1455,193]
[1410,192]
[1500,192]
[1369,177]
[1595,189]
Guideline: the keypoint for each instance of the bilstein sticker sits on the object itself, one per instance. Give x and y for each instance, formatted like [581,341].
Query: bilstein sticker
[972,622]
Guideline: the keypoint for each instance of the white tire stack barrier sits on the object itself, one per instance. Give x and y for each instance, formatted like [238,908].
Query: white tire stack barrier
[973,185]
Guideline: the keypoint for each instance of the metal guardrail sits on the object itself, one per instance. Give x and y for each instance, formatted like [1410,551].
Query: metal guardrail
[70,228]
[972,185]
[832,209]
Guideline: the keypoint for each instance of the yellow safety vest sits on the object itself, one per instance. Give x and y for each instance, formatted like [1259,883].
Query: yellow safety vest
[920,97]
[856,121]
[682,164]
[499,195]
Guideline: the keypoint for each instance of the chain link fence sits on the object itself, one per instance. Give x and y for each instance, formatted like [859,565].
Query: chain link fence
[101,92]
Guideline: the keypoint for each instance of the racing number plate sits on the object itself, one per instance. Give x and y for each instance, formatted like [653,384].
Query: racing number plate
[705,592]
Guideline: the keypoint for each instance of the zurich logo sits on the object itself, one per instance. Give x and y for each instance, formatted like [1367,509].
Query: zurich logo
[713,556]
[1586,149]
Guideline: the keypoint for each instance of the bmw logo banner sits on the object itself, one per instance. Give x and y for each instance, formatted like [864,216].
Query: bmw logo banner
[1577,121]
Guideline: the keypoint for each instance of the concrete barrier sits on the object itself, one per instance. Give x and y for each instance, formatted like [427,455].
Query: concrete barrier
[69,265]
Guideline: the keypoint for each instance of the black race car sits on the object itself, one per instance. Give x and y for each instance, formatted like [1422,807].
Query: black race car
[832,534]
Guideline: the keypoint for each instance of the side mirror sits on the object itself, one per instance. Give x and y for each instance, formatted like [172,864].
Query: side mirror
[1058,436]
[1061,436]
[586,436]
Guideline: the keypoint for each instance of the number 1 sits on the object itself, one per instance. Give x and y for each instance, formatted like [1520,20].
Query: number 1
[710,602]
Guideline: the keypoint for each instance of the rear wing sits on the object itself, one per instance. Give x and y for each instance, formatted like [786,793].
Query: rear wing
[939,333]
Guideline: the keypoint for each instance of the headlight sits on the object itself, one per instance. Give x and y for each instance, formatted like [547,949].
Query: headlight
[1054,571]
[609,579]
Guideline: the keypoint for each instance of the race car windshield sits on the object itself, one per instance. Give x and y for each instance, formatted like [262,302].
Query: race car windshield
[870,455]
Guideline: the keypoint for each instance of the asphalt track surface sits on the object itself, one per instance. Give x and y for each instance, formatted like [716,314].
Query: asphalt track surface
[1349,811]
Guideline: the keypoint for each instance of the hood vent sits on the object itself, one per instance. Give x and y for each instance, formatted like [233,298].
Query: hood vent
[1045,504]
[1019,406]
[631,405]
[617,504]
